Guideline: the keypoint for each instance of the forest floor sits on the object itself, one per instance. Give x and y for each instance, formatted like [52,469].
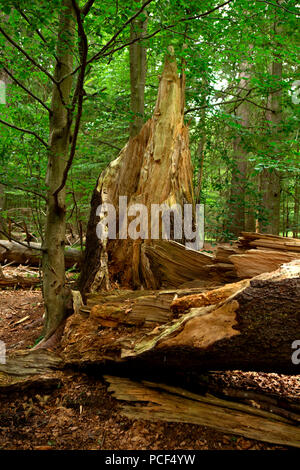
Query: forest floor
[80,413]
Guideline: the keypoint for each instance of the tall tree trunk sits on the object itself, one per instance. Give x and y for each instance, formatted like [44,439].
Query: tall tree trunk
[239,172]
[200,157]
[54,239]
[270,179]
[138,67]
[296,208]
[4,80]
[201,145]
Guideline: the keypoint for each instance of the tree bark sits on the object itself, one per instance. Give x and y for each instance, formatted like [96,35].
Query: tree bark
[59,140]
[157,401]
[236,204]
[154,167]
[250,325]
[251,330]
[270,179]
[29,253]
[296,208]
[202,143]
[138,67]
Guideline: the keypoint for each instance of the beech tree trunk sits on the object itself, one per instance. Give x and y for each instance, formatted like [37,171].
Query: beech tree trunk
[154,167]
[138,67]
[296,227]
[202,143]
[238,185]
[59,140]
[270,179]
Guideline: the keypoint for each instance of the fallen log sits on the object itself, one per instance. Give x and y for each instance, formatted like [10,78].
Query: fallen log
[255,262]
[19,281]
[175,265]
[254,329]
[23,363]
[267,403]
[182,304]
[31,253]
[24,369]
[155,401]
[253,254]
[250,325]
[249,239]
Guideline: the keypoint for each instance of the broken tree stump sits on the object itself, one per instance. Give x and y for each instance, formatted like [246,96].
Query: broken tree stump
[153,168]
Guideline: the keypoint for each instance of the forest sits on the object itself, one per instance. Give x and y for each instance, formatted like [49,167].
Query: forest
[149,225]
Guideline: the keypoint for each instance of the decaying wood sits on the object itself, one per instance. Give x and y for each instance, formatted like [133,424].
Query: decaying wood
[33,369]
[31,253]
[247,325]
[175,265]
[250,239]
[253,254]
[252,329]
[214,296]
[25,369]
[23,363]
[153,401]
[41,381]
[141,307]
[153,168]
[255,262]
[280,407]
[19,281]
[244,331]
[102,327]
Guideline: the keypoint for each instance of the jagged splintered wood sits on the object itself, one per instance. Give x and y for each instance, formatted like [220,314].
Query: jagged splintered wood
[248,325]
[155,401]
[153,168]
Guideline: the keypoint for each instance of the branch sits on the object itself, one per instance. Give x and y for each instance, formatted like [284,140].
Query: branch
[78,94]
[34,63]
[26,89]
[207,12]
[211,105]
[86,8]
[96,56]
[86,97]
[109,144]
[278,6]
[28,21]
[10,238]
[25,131]
[163,28]
[265,108]
[114,37]
[31,191]
[40,67]
[239,100]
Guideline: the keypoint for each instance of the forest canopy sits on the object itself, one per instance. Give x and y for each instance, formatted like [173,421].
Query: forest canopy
[242,95]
